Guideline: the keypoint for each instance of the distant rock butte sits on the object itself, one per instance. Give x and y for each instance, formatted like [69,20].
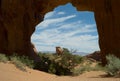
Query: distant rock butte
[18,19]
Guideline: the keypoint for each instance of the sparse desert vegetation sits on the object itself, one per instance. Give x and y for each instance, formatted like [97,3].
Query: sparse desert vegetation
[67,64]
[77,68]
[59,65]
[21,62]
[3,58]
[113,66]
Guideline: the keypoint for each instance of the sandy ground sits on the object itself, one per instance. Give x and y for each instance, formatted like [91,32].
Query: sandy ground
[8,72]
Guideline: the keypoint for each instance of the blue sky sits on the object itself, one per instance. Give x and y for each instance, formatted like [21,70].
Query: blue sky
[68,28]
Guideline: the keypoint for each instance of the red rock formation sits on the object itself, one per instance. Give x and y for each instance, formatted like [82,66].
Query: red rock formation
[19,17]
[95,56]
[59,51]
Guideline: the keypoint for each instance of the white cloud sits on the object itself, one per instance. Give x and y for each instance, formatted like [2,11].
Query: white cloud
[83,43]
[70,25]
[47,22]
[52,13]
[45,48]
[61,13]
[46,40]
[49,14]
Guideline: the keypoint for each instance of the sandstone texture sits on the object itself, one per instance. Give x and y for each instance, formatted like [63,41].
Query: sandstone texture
[95,56]
[18,19]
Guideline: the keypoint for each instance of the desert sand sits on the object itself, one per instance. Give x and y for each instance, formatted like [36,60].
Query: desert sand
[8,72]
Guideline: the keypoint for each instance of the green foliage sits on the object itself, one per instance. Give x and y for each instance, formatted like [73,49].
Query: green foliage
[3,58]
[113,66]
[23,59]
[80,70]
[18,63]
[87,66]
[98,67]
[70,61]
[26,61]
[66,51]
[51,69]
[60,65]
[77,59]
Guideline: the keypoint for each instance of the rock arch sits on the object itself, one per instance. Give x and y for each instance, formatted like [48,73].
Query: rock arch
[18,19]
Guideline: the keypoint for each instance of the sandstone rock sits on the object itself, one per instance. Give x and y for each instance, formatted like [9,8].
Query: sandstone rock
[18,19]
[59,50]
[94,56]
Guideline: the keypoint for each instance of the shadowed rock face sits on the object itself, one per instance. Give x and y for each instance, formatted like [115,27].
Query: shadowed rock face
[18,19]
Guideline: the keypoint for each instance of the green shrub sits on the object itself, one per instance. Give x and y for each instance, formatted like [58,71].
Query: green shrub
[113,66]
[21,62]
[3,58]
[76,72]
[59,65]
[66,51]
[26,61]
[86,67]
[52,68]
[18,63]
[77,59]
[81,70]
[98,67]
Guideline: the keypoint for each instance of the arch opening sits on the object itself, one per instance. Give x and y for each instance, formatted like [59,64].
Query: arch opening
[68,28]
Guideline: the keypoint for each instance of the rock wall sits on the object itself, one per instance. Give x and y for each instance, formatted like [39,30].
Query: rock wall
[18,19]
[108,24]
